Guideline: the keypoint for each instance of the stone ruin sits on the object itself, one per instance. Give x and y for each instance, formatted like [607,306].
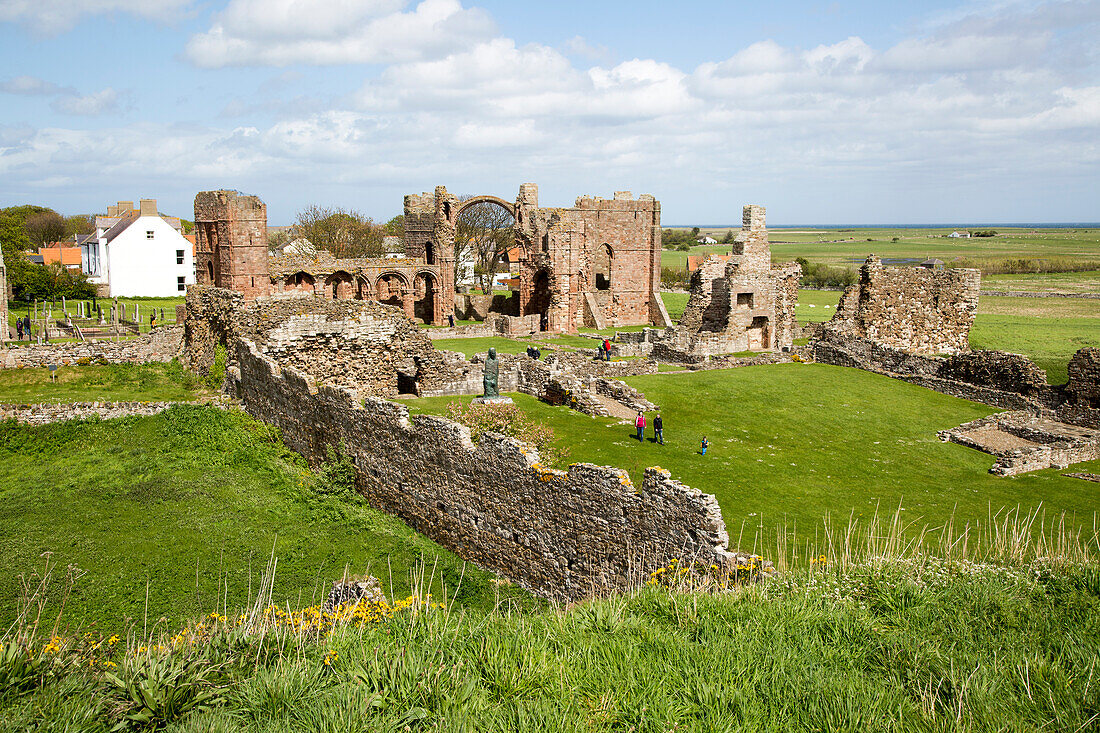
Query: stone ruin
[318,369]
[5,295]
[596,264]
[916,309]
[740,303]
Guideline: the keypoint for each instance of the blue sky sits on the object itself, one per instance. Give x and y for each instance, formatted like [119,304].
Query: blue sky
[825,112]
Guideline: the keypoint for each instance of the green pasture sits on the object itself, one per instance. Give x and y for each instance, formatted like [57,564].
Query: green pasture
[851,246]
[790,443]
[187,507]
[1058,282]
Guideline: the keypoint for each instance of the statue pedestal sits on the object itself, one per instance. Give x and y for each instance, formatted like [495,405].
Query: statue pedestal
[491,401]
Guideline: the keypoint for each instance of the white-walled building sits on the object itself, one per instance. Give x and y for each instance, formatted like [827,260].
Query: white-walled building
[138,252]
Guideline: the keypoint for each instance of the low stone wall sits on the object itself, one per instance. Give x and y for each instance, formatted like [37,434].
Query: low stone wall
[1023,294]
[48,412]
[163,344]
[565,535]
[460,332]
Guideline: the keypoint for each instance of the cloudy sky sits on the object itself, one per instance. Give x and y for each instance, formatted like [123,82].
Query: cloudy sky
[825,112]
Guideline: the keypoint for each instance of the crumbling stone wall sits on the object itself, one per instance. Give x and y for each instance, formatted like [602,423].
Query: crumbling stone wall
[565,535]
[162,345]
[916,309]
[4,296]
[1083,387]
[50,412]
[739,303]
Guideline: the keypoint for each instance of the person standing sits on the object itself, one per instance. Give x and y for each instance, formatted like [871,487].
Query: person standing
[607,349]
[27,327]
[658,429]
[703,450]
[639,423]
[19,328]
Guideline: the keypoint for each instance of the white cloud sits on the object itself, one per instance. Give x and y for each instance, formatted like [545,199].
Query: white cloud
[87,104]
[49,17]
[327,32]
[29,85]
[65,99]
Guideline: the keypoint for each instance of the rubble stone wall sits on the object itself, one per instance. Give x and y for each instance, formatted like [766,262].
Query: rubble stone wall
[565,535]
[49,412]
[1083,387]
[916,309]
[162,345]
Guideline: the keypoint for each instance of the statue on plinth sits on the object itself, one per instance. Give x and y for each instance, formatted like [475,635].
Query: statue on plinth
[491,376]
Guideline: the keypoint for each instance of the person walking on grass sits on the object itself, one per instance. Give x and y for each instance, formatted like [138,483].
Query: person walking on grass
[639,422]
[658,429]
[607,349]
[703,447]
[19,328]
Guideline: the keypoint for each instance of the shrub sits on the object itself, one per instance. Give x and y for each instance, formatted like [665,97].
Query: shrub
[508,420]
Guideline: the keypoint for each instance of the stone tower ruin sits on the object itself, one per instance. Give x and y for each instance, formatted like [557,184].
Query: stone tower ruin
[231,242]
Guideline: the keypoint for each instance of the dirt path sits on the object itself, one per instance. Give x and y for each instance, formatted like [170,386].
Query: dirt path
[615,409]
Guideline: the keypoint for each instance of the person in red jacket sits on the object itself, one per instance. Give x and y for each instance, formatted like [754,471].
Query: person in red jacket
[639,423]
[607,349]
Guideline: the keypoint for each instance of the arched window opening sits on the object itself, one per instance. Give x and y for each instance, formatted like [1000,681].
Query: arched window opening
[601,268]
[210,271]
[429,253]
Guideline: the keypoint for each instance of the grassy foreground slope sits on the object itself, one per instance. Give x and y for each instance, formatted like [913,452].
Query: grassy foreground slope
[154,382]
[896,645]
[792,442]
[189,505]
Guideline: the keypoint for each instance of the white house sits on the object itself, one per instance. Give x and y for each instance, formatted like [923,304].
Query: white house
[138,252]
[959,235]
[706,240]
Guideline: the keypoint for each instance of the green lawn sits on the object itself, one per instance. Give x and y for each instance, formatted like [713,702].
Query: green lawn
[480,345]
[152,382]
[190,502]
[791,442]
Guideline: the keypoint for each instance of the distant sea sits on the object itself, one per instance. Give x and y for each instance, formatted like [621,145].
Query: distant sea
[1007,225]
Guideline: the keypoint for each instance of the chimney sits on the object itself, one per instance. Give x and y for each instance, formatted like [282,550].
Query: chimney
[148,207]
[112,211]
[124,206]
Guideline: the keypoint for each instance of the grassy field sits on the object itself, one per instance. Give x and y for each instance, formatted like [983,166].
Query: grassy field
[480,345]
[888,646]
[792,442]
[187,507]
[1058,282]
[118,382]
[851,246]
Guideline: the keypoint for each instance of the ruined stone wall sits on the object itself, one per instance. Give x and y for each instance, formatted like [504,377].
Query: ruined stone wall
[50,412]
[231,242]
[739,303]
[5,294]
[162,345]
[564,535]
[917,309]
[1083,387]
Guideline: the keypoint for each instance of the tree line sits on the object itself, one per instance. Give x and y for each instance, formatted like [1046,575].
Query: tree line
[26,228]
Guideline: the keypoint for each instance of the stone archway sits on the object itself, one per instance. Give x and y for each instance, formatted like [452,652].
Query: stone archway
[299,281]
[425,297]
[538,299]
[392,289]
[340,285]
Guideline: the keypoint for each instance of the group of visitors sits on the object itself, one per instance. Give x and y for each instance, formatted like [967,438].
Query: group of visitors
[659,431]
[23,328]
[605,350]
[658,428]
[534,352]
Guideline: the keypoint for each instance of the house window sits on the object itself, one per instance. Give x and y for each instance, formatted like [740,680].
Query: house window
[180,284]
[179,256]
[148,233]
[744,300]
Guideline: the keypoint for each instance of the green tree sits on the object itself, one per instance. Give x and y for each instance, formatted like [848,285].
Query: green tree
[342,232]
[729,238]
[44,228]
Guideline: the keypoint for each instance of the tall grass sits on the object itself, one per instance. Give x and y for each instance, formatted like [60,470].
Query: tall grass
[995,631]
[1021,266]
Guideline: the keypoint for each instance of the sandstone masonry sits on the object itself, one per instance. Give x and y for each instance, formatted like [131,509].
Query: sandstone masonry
[162,345]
